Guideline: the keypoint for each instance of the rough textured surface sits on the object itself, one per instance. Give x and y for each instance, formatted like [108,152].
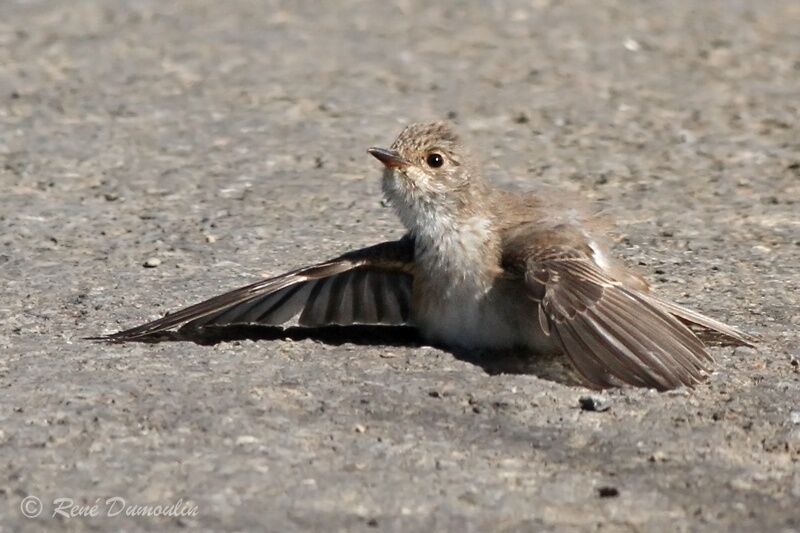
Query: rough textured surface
[215,142]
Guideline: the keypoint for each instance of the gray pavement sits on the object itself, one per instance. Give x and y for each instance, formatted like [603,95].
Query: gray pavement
[226,140]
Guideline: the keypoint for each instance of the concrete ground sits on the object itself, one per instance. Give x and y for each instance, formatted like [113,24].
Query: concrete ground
[224,141]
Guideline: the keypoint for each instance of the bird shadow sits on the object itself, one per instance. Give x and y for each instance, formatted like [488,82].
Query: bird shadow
[360,335]
[553,368]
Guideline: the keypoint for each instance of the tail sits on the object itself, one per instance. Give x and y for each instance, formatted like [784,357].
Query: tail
[693,317]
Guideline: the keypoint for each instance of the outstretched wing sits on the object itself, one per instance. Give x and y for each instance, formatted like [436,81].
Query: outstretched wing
[611,333]
[367,286]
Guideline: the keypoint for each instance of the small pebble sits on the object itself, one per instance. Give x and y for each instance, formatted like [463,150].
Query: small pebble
[761,249]
[795,417]
[632,45]
[594,403]
[243,440]
[152,262]
[521,118]
[608,492]
[360,428]
[657,457]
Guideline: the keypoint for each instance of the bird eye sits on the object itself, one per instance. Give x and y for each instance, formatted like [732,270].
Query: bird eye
[434,160]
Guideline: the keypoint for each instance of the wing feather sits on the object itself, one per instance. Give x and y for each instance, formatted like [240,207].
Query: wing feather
[367,286]
[690,316]
[611,333]
[633,340]
[313,314]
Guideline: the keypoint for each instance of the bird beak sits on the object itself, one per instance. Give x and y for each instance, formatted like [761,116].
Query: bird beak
[390,158]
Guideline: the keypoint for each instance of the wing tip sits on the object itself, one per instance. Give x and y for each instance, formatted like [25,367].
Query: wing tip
[101,338]
[114,338]
[143,333]
[117,337]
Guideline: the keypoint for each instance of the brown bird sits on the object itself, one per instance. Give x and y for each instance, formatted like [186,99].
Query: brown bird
[484,269]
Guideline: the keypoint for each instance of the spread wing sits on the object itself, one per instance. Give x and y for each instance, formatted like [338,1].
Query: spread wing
[367,286]
[612,334]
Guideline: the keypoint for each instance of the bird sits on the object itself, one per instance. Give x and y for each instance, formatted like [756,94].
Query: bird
[485,269]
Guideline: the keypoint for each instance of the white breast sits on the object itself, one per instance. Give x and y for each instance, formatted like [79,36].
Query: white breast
[455,258]
[457,300]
